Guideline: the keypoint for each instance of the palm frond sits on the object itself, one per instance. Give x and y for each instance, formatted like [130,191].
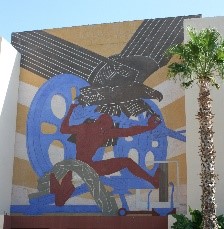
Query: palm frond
[199,58]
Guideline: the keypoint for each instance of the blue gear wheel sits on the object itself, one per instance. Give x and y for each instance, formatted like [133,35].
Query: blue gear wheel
[40,112]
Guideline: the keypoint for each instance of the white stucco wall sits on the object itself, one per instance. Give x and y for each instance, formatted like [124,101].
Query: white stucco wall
[193,162]
[1,221]
[191,109]
[9,81]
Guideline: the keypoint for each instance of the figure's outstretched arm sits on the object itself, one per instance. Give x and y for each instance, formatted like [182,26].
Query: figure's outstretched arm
[153,122]
[65,127]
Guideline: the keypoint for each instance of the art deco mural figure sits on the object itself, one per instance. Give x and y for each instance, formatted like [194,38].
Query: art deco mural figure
[113,108]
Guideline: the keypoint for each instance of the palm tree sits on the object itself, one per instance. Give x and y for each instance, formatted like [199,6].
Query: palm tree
[201,61]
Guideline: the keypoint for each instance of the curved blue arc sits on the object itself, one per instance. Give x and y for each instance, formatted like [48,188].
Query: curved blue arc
[40,111]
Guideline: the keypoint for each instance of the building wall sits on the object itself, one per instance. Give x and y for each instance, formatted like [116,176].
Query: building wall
[9,69]
[34,157]
[191,106]
[106,40]
[193,162]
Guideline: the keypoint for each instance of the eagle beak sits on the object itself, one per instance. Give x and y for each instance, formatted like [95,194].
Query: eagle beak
[158,95]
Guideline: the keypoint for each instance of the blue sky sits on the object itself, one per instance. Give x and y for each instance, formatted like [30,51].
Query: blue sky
[25,15]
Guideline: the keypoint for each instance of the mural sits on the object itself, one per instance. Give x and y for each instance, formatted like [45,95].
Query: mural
[96,132]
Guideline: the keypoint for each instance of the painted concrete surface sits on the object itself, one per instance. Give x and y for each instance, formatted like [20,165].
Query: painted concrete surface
[1,221]
[9,69]
[81,60]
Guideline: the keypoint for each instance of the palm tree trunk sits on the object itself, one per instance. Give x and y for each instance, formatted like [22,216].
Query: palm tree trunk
[207,156]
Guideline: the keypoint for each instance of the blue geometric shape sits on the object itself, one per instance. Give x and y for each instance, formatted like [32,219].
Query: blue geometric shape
[122,212]
[166,211]
[47,209]
[163,211]
[40,111]
[50,198]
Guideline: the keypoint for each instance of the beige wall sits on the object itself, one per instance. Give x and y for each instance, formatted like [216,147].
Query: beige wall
[9,83]
[1,221]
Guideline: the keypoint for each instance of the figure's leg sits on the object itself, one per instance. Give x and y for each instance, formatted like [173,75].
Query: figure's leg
[113,165]
[62,191]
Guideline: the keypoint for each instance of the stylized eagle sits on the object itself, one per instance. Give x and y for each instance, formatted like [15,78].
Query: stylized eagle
[116,83]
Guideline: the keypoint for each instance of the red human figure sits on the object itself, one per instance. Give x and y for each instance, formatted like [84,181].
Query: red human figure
[91,136]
